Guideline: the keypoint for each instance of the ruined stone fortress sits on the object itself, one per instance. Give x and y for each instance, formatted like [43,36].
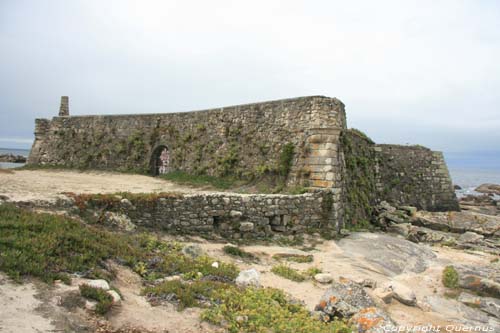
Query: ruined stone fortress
[346,173]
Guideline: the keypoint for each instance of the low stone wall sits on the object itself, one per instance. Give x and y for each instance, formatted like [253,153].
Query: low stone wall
[229,215]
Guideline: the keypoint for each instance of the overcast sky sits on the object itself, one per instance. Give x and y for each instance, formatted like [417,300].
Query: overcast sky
[424,71]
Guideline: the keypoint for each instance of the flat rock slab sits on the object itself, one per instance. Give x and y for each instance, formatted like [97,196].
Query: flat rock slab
[460,222]
[392,255]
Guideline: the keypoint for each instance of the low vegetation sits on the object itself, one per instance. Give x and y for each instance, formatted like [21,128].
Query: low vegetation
[103,299]
[50,246]
[265,310]
[288,272]
[237,252]
[186,294]
[184,178]
[53,247]
[450,277]
[300,258]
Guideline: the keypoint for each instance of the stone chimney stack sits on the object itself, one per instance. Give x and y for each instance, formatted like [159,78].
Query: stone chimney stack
[64,108]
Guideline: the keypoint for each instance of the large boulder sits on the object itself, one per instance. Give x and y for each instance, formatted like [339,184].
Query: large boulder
[489,189]
[456,311]
[401,292]
[344,299]
[391,255]
[486,304]
[250,277]
[192,250]
[348,300]
[459,222]
[372,320]
[482,279]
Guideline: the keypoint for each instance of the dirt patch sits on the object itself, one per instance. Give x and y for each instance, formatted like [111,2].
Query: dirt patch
[19,308]
[32,185]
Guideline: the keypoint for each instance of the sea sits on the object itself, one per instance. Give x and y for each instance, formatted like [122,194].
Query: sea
[467,169]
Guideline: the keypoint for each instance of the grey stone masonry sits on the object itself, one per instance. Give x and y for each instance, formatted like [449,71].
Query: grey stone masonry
[227,214]
[64,107]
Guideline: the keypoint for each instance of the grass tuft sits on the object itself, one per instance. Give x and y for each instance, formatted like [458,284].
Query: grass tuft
[288,272]
[450,277]
[103,299]
[300,258]
[237,252]
[181,177]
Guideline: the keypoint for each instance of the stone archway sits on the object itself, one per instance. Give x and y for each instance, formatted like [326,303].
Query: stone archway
[160,161]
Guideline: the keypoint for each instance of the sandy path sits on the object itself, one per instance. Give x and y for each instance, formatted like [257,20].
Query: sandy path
[18,309]
[26,185]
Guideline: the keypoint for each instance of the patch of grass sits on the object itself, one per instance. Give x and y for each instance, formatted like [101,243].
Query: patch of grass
[288,272]
[301,258]
[310,272]
[103,299]
[450,277]
[186,294]
[50,246]
[181,177]
[237,252]
[265,310]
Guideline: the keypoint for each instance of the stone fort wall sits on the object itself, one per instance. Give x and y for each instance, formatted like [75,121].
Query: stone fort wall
[248,141]
[244,140]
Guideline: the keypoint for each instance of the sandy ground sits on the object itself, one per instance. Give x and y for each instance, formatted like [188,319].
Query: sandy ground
[35,307]
[18,308]
[28,185]
[330,258]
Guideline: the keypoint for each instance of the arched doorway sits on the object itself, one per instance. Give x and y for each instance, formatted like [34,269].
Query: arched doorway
[160,161]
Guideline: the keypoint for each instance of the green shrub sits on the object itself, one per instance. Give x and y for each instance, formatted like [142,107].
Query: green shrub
[237,252]
[103,299]
[450,277]
[51,246]
[286,159]
[288,272]
[310,272]
[186,294]
[265,310]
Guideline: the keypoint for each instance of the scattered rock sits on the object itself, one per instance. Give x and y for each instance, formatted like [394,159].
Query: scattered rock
[426,235]
[401,292]
[119,221]
[485,280]
[250,277]
[384,294]
[323,278]
[90,305]
[369,283]
[454,310]
[459,222]
[103,284]
[11,158]
[489,188]
[192,250]
[215,264]
[410,210]
[457,187]
[116,297]
[470,237]
[344,299]
[372,320]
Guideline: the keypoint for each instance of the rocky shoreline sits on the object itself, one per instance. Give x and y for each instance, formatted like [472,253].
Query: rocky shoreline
[11,158]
